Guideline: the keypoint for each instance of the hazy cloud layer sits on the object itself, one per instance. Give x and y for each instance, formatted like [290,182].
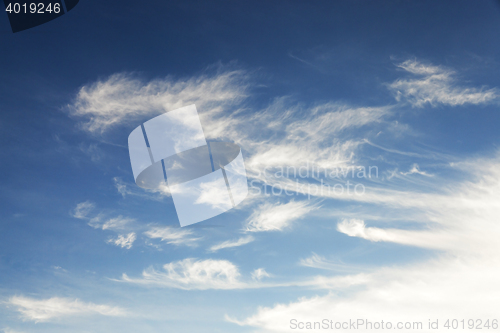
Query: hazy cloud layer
[459,220]
[462,224]
[41,310]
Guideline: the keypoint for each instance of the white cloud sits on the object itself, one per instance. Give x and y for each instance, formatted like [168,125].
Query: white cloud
[232,243]
[356,228]
[10,330]
[330,118]
[192,274]
[125,189]
[317,261]
[59,268]
[55,307]
[213,193]
[437,85]
[115,223]
[461,222]
[124,241]
[433,239]
[175,236]
[269,217]
[83,209]
[292,126]
[122,98]
[99,221]
[415,169]
[259,274]
[414,293]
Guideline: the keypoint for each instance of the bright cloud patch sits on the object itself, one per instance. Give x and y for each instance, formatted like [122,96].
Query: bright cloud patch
[53,308]
[192,274]
[122,97]
[436,85]
[317,261]
[83,209]
[232,243]
[260,273]
[270,217]
[124,241]
[175,236]
[463,225]
[458,219]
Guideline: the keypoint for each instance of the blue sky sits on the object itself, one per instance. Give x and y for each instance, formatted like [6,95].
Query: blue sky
[407,88]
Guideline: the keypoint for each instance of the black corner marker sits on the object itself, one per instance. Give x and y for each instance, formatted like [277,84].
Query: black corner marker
[28,14]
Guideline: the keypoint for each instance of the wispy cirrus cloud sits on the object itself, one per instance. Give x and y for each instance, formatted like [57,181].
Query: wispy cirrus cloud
[433,239]
[462,223]
[124,241]
[329,118]
[83,209]
[292,125]
[122,97]
[44,310]
[118,224]
[413,293]
[115,223]
[320,262]
[195,274]
[259,274]
[192,274]
[232,243]
[131,189]
[127,229]
[175,236]
[437,85]
[415,169]
[100,221]
[459,220]
[270,217]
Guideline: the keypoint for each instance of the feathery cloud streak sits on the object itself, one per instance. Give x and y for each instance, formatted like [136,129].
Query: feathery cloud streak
[53,308]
